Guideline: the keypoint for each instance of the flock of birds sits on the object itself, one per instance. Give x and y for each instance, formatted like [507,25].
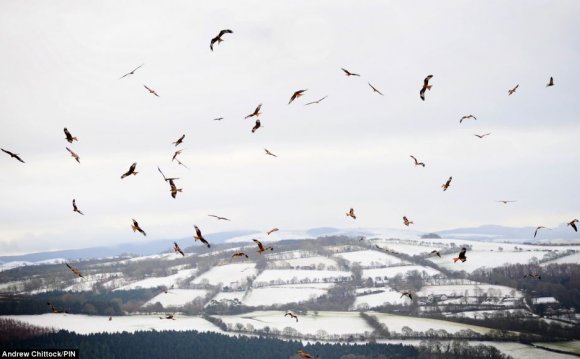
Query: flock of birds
[425,88]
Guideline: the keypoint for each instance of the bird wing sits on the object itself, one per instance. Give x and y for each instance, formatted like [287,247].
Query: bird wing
[132,168]
[225,32]
[260,245]
[159,169]
[198,232]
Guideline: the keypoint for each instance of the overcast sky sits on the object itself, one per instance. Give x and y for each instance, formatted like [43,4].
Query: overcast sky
[61,61]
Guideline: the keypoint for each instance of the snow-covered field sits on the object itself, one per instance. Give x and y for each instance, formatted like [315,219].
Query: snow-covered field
[573,259]
[482,314]
[370,258]
[273,276]
[470,290]
[391,272]
[304,262]
[386,296]
[87,324]
[177,297]
[284,294]
[232,275]
[397,322]
[155,282]
[16,264]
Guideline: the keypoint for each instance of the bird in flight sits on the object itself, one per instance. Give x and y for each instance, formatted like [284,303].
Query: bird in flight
[218,217]
[166,179]
[13,155]
[75,208]
[256,126]
[199,237]
[69,137]
[538,228]
[173,188]
[447,184]
[179,141]
[181,163]
[269,153]
[512,91]
[317,101]
[482,136]
[533,275]
[131,171]
[176,154]
[53,308]
[132,72]
[425,87]
[407,294]
[218,118]
[436,252]
[506,202]
[304,355]
[291,315]
[406,221]
[239,254]
[272,231]
[218,38]
[351,214]
[348,73]
[573,225]
[296,94]
[551,83]
[74,155]
[417,163]
[151,91]
[375,89]
[261,247]
[136,227]
[256,112]
[74,270]
[176,249]
[467,117]
[461,256]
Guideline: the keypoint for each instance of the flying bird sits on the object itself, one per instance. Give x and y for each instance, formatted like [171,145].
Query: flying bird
[131,171]
[218,38]
[75,208]
[13,155]
[304,355]
[173,188]
[199,237]
[74,270]
[348,73]
[256,112]
[296,94]
[179,141]
[538,228]
[351,214]
[53,308]
[132,72]
[417,163]
[181,163]
[436,252]
[447,184]
[512,91]
[506,202]
[176,154]
[136,227]
[261,247]
[272,231]
[74,155]
[406,221]
[218,217]
[256,126]
[573,225]
[425,87]
[551,83]
[166,179]
[375,89]
[151,91]
[239,254]
[176,249]
[407,294]
[482,136]
[69,137]
[461,256]
[269,153]
[218,118]
[467,117]
[317,101]
[291,315]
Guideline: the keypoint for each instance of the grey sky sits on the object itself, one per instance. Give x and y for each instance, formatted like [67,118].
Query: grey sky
[60,67]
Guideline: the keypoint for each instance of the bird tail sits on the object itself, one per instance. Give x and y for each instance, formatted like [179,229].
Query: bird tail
[135,173]
[75,139]
[134,228]
[429,87]
[455,259]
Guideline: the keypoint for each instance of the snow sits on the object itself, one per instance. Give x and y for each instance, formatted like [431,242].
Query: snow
[370,258]
[177,297]
[573,259]
[481,314]
[486,259]
[544,300]
[233,274]
[271,276]
[391,272]
[397,322]
[17,264]
[304,262]
[154,282]
[87,324]
[470,290]
[386,296]
[229,296]
[283,294]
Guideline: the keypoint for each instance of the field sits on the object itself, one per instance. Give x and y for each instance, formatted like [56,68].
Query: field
[274,276]
[397,322]
[370,258]
[284,294]
[177,297]
[470,290]
[229,275]
[386,296]
[390,272]
[155,282]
